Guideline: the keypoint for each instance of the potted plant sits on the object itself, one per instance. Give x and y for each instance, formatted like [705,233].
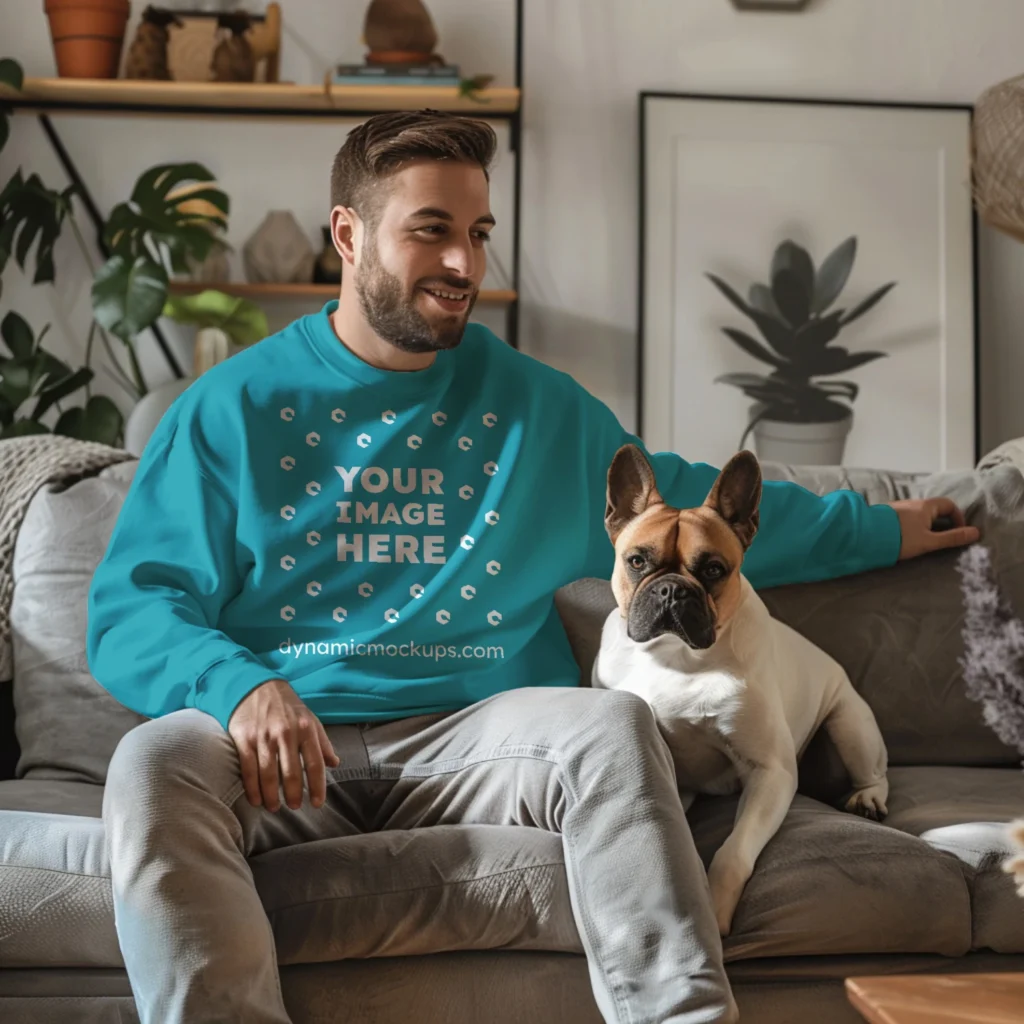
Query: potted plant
[225,323]
[797,417]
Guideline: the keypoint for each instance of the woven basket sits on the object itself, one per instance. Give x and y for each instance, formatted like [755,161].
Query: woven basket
[999,156]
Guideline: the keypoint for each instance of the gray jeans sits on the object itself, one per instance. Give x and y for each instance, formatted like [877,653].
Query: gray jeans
[587,764]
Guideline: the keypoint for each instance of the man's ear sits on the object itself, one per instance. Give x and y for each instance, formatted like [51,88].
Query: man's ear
[631,489]
[736,496]
[346,230]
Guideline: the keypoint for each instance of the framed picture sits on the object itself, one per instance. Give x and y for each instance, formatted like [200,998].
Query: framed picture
[808,279]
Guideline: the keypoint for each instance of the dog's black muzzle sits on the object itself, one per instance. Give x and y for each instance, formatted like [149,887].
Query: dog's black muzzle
[672,604]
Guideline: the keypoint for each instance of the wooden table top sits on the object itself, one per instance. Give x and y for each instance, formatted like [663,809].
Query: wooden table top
[939,998]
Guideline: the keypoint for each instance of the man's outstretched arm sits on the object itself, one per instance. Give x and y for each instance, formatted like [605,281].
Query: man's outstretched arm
[803,537]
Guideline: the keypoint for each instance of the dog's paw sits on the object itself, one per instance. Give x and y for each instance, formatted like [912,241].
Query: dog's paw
[870,801]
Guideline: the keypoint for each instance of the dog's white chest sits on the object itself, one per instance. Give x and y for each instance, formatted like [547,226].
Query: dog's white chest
[698,709]
[755,697]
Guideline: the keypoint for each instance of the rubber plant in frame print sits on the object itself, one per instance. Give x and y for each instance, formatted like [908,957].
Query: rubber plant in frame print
[798,326]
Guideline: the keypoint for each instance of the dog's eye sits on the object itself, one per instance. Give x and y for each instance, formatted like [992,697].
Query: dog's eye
[714,571]
[636,561]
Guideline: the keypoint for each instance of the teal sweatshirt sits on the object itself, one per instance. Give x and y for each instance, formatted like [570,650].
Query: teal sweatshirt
[390,542]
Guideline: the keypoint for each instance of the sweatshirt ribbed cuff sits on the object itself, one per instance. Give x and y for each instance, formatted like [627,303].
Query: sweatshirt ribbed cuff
[883,537]
[225,684]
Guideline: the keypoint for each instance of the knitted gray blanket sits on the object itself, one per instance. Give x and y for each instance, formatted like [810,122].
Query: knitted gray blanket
[26,464]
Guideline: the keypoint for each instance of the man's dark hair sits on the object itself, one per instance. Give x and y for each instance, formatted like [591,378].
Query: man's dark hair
[379,146]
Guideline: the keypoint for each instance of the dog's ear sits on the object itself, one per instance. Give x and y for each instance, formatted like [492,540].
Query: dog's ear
[736,496]
[631,489]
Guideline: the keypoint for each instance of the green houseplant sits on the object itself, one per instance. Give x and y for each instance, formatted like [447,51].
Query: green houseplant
[163,228]
[222,321]
[796,415]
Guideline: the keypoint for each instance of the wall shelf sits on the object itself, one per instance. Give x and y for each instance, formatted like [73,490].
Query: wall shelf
[265,100]
[323,292]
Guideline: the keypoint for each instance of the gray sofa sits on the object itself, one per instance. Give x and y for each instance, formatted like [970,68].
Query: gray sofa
[473,924]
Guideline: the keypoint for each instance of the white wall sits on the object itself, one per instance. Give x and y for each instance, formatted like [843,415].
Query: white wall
[585,62]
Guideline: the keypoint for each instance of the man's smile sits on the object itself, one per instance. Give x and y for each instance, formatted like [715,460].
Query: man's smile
[449,300]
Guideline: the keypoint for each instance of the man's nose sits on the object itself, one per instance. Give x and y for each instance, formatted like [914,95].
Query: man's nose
[459,258]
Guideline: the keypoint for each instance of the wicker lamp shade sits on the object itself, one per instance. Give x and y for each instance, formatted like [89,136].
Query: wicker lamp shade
[999,156]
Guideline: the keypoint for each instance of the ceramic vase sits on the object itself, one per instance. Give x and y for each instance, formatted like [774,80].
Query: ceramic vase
[278,251]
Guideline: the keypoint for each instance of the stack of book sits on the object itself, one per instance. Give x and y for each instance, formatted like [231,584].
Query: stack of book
[396,74]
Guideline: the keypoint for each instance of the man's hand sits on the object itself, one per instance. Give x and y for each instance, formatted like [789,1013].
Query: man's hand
[271,729]
[918,526]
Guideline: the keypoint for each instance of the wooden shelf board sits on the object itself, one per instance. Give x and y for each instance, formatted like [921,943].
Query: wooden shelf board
[130,96]
[269,292]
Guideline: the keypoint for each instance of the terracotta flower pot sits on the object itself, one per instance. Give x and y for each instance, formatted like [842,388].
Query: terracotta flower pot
[87,36]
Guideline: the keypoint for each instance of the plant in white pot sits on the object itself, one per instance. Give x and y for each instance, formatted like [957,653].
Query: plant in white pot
[796,417]
[225,323]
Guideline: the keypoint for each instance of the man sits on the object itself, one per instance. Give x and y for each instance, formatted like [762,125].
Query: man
[336,564]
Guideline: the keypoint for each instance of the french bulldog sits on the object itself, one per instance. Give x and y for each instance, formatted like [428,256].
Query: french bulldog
[737,694]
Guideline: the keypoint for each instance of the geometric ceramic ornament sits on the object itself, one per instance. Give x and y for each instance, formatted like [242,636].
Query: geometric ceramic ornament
[279,251]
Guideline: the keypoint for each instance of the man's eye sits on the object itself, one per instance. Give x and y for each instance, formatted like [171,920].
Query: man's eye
[432,228]
[636,561]
[484,236]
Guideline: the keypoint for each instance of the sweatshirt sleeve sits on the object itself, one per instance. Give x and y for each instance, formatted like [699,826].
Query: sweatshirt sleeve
[802,537]
[170,567]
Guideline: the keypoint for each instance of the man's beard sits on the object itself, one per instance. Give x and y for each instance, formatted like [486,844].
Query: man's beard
[394,316]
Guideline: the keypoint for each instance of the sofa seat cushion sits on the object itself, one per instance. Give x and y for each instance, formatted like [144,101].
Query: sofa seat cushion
[963,812]
[831,883]
[55,903]
[405,893]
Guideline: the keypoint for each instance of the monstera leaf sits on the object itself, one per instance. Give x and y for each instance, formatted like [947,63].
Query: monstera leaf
[128,296]
[164,213]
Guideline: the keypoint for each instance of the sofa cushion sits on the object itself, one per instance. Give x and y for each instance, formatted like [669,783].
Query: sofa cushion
[67,724]
[832,883]
[55,903]
[963,812]
[403,893]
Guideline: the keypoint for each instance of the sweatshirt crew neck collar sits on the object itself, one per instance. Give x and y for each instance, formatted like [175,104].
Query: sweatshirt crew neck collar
[338,356]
